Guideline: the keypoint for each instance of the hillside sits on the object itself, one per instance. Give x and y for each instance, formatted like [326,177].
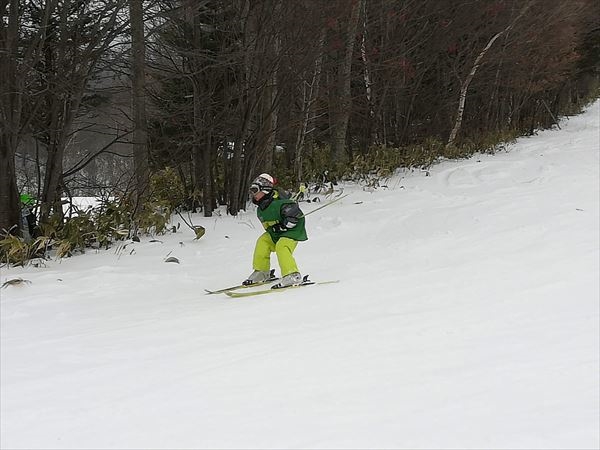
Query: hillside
[466,316]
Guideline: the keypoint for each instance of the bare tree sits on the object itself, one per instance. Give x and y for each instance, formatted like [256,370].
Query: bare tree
[21,52]
[341,102]
[236,80]
[469,78]
[310,90]
[79,34]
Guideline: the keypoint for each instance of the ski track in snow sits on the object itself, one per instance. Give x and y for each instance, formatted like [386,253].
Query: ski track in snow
[467,316]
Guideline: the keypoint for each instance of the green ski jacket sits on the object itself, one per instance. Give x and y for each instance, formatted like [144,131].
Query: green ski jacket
[275,212]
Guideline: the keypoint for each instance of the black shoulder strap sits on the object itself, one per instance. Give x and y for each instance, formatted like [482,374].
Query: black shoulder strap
[283,194]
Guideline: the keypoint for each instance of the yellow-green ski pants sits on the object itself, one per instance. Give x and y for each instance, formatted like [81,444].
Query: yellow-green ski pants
[284,250]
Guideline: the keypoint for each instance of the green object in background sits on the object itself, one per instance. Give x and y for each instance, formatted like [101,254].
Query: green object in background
[27,199]
[199,230]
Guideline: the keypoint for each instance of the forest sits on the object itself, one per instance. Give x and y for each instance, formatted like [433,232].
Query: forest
[154,106]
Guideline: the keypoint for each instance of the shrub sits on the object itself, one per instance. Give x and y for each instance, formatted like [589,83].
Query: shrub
[380,162]
[166,189]
[14,250]
[95,227]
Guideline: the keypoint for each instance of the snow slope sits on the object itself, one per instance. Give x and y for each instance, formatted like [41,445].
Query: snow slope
[467,316]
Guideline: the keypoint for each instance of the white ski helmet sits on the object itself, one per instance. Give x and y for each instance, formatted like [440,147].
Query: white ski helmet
[264,182]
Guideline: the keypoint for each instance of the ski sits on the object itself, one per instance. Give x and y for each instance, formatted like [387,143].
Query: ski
[272,279]
[272,290]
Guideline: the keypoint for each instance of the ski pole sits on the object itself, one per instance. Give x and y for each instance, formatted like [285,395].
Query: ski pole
[326,204]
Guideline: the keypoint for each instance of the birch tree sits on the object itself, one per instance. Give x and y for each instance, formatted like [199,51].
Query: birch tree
[478,61]
[310,90]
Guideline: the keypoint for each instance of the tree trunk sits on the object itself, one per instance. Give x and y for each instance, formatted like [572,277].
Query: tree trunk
[9,196]
[138,85]
[371,136]
[465,85]
[62,115]
[10,113]
[207,185]
[310,95]
[202,152]
[343,102]
[271,94]
[270,121]
[245,110]
[51,193]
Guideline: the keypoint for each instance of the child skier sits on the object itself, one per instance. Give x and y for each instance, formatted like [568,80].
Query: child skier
[284,224]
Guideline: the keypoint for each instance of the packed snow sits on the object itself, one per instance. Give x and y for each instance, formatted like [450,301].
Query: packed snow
[466,316]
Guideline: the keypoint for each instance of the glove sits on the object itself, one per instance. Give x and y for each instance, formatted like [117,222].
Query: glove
[279,228]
